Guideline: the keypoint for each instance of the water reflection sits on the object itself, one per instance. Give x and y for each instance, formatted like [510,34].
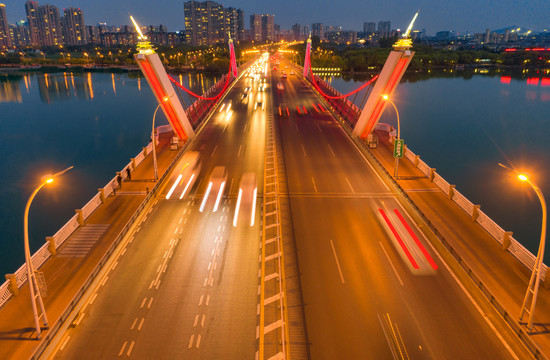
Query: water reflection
[64,86]
[10,91]
[56,87]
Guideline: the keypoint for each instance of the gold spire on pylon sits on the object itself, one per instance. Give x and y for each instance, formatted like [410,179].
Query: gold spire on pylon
[143,46]
[405,43]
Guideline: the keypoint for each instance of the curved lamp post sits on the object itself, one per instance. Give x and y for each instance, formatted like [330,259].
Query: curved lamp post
[165,99]
[31,276]
[387,98]
[534,282]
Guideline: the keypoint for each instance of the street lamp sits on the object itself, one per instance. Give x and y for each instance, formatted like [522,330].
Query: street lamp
[532,291]
[165,99]
[397,141]
[31,276]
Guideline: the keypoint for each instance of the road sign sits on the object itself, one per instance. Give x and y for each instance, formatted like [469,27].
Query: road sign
[398,146]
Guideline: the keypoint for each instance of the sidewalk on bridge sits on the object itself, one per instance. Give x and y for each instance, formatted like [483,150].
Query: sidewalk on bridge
[505,276]
[65,274]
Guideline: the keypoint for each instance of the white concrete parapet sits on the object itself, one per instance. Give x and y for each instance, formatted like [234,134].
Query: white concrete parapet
[490,226]
[441,183]
[464,203]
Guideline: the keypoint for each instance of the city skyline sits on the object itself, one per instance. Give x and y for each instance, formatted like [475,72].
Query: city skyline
[434,16]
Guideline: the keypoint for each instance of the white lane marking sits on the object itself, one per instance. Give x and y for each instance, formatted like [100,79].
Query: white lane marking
[123,252]
[296,126]
[141,324]
[318,127]
[191,341]
[392,266]
[203,319]
[304,150]
[337,262]
[314,186]
[349,184]
[134,324]
[196,320]
[331,151]
[198,341]
[64,342]
[200,301]
[215,148]
[150,302]
[104,280]
[114,265]
[207,299]
[122,349]
[176,231]
[143,302]
[240,148]
[93,298]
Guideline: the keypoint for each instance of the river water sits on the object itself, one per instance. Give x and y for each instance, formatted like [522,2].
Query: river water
[461,123]
[48,121]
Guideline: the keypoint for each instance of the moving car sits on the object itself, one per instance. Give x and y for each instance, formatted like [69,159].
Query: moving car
[184,179]
[216,186]
[246,200]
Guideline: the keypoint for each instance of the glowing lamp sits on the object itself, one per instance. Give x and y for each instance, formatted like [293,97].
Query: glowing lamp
[523,177]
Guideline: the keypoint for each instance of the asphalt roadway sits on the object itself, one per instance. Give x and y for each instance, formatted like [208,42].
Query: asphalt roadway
[186,285]
[364,298]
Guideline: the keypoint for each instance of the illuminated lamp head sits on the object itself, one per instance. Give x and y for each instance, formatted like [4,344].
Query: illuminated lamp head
[523,177]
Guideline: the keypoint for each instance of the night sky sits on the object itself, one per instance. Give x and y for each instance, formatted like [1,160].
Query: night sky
[435,15]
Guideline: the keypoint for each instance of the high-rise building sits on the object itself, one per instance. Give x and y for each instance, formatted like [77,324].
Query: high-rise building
[318,29]
[5,37]
[20,34]
[268,30]
[234,23]
[44,24]
[369,27]
[74,29]
[49,25]
[384,29]
[256,28]
[297,31]
[92,35]
[31,8]
[208,23]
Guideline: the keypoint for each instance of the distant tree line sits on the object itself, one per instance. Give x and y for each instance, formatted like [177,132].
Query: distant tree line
[354,59]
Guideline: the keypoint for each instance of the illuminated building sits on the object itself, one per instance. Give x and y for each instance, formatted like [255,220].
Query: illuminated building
[74,29]
[5,38]
[256,28]
[44,24]
[208,23]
